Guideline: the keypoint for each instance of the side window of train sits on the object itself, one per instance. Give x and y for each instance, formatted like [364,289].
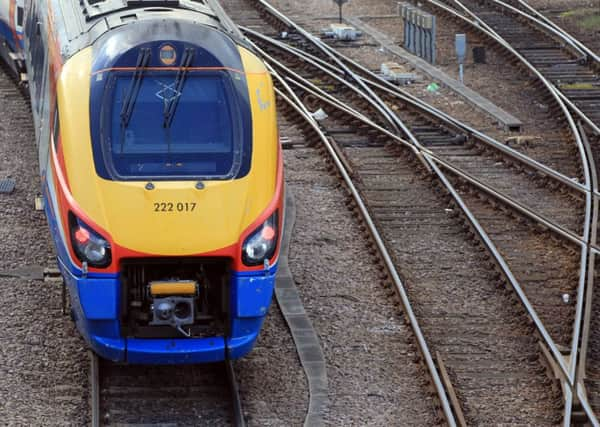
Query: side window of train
[38,55]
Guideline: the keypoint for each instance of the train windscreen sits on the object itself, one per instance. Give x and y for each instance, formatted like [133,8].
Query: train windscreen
[163,124]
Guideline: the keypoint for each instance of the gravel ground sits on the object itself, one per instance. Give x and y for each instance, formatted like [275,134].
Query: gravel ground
[272,383]
[43,360]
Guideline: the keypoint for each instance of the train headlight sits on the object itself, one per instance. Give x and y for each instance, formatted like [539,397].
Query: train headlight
[261,244]
[88,245]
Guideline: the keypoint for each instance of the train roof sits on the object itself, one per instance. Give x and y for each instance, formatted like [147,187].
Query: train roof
[84,21]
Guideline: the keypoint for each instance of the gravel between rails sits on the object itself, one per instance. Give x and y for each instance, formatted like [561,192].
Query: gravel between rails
[547,270]
[373,378]
[164,395]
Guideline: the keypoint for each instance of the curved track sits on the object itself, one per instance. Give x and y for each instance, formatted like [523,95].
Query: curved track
[552,293]
[557,58]
[567,71]
[460,289]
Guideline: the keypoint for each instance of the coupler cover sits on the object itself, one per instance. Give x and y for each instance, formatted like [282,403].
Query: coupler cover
[173,311]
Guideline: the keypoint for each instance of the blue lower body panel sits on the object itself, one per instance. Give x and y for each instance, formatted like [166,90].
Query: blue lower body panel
[95,301]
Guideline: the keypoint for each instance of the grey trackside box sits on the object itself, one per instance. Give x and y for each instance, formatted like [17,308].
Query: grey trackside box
[419,31]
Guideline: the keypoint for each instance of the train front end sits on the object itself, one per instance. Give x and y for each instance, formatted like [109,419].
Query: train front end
[165,192]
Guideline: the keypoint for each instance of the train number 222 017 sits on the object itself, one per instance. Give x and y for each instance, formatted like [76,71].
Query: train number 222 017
[174,206]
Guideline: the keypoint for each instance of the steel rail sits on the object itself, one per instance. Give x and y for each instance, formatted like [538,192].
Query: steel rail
[541,20]
[564,370]
[514,204]
[585,290]
[334,76]
[552,89]
[542,168]
[387,259]
[236,401]
[506,200]
[301,109]
[481,26]
[586,164]
[439,115]
[94,379]
[486,139]
[590,53]
[585,404]
[580,113]
[386,111]
[311,87]
[489,141]
[495,253]
[509,276]
[560,34]
[426,109]
[399,124]
[587,315]
[497,194]
[95,375]
[227,22]
[393,90]
[307,86]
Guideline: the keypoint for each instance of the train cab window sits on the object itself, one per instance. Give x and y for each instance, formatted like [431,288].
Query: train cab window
[159,131]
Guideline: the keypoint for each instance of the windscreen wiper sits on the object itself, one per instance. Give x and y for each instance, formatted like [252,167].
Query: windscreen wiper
[171,105]
[132,92]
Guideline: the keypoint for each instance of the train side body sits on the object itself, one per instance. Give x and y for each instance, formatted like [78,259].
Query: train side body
[162,174]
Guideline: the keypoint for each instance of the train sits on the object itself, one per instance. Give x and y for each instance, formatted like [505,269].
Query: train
[161,171]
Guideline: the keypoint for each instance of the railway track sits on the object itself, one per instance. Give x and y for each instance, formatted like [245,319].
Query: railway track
[464,147]
[354,300]
[460,289]
[461,148]
[172,395]
[556,149]
[567,71]
[571,69]
[590,368]
[548,291]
